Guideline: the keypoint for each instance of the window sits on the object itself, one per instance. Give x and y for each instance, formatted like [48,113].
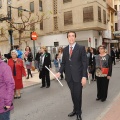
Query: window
[68,18]
[88,14]
[40,5]
[115,6]
[19,11]
[32,6]
[41,25]
[0,3]
[99,14]
[55,23]
[104,16]
[55,6]
[116,26]
[65,1]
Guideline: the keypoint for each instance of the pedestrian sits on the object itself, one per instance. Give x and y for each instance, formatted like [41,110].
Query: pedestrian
[6,91]
[103,73]
[92,63]
[28,57]
[74,63]
[45,60]
[57,62]
[60,52]
[20,53]
[18,71]
[37,58]
[117,52]
[113,55]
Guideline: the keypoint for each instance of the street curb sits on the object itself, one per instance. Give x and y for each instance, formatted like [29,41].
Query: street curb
[108,108]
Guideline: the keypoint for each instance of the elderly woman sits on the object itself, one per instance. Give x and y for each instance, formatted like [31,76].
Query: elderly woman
[103,73]
[18,71]
[45,60]
[28,60]
[6,91]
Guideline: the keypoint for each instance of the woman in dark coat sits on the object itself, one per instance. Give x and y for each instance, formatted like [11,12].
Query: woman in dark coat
[92,63]
[45,60]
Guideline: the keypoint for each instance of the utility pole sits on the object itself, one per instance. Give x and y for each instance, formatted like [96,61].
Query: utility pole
[10,31]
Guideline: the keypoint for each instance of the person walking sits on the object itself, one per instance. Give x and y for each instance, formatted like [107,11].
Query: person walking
[60,53]
[92,63]
[37,58]
[28,60]
[117,52]
[6,91]
[57,62]
[18,71]
[45,60]
[74,63]
[20,53]
[103,65]
[113,56]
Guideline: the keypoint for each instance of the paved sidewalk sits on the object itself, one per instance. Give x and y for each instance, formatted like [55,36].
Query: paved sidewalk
[34,80]
[113,111]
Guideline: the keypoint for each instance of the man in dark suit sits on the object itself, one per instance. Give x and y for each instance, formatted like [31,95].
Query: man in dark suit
[74,62]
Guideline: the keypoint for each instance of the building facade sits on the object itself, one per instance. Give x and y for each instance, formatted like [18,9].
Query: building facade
[88,18]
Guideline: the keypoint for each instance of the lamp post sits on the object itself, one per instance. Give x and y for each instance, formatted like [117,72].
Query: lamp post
[10,31]
[10,18]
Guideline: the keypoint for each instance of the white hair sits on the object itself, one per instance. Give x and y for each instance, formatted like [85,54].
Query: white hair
[14,51]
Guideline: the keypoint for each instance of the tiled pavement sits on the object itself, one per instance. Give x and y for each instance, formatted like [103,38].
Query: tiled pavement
[113,111]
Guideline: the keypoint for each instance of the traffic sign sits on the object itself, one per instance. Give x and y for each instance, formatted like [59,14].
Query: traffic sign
[34,36]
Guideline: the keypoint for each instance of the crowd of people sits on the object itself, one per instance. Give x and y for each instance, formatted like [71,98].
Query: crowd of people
[74,61]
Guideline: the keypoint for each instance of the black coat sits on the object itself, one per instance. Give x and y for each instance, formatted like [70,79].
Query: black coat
[30,57]
[47,62]
[76,66]
[37,58]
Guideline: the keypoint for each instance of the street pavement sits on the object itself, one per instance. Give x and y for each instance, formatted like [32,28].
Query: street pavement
[55,103]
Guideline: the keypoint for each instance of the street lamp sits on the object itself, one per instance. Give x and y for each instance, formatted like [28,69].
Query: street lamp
[10,18]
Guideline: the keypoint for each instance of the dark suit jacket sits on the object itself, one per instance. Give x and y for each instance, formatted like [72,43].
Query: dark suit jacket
[76,66]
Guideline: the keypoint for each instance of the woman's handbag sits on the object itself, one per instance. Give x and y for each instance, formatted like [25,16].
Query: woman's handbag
[104,70]
[27,62]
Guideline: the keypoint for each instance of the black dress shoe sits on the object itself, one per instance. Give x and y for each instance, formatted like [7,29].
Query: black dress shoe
[19,97]
[42,86]
[72,114]
[79,117]
[103,100]
[47,86]
[98,99]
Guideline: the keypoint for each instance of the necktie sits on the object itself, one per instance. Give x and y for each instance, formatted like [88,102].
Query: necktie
[14,68]
[71,50]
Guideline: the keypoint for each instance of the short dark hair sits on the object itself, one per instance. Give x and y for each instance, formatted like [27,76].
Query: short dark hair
[103,46]
[17,46]
[71,32]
